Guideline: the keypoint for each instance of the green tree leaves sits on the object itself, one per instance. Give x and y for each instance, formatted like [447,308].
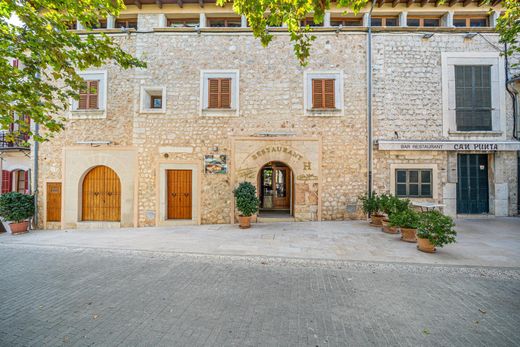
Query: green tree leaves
[50,58]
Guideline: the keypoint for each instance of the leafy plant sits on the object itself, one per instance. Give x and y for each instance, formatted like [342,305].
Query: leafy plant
[437,228]
[407,218]
[246,199]
[391,204]
[370,204]
[16,207]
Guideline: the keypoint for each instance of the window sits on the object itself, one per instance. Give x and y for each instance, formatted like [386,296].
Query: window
[153,99]
[21,181]
[475,22]
[413,183]
[423,22]
[473,97]
[224,22]
[323,94]
[219,93]
[346,22]
[310,22]
[101,25]
[183,22]
[89,95]
[6,181]
[127,23]
[384,21]
[156,101]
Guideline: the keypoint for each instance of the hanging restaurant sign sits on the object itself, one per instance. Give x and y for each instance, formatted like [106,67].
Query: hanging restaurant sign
[215,164]
[451,145]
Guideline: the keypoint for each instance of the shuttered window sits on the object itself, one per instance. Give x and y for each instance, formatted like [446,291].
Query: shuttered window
[323,94]
[6,181]
[413,183]
[219,93]
[89,95]
[473,97]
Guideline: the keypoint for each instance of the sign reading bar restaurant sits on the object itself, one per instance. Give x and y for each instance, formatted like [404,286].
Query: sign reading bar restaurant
[486,146]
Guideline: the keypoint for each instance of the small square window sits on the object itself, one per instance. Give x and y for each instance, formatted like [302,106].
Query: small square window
[323,93]
[156,101]
[413,183]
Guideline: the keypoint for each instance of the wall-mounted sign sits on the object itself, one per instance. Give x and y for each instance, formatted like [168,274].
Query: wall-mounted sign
[215,164]
[448,145]
[278,149]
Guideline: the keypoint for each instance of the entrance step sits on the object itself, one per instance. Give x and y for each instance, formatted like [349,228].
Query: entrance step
[98,225]
[260,219]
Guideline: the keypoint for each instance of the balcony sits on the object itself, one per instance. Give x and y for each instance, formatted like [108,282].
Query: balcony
[16,143]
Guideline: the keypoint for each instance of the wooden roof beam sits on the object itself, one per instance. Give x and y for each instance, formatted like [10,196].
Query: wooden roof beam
[496,2]
[452,2]
[466,3]
[159,3]
[201,3]
[423,2]
[138,4]
[180,3]
[380,3]
[409,3]
[395,3]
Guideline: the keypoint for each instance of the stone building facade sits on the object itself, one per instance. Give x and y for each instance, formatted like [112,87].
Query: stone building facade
[312,163]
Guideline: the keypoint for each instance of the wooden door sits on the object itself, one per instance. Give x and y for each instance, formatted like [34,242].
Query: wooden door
[472,186]
[54,202]
[179,194]
[282,187]
[101,195]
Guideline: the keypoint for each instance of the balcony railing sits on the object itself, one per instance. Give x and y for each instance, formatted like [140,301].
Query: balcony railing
[18,142]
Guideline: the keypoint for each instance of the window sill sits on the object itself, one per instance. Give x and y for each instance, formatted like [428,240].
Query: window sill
[88,114]
[324,112]
[476,133]
[153,110]
[220,112]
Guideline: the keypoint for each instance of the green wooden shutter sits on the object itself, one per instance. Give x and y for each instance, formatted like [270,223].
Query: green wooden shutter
[473,97]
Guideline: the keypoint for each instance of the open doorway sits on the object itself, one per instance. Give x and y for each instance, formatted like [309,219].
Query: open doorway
[276,193]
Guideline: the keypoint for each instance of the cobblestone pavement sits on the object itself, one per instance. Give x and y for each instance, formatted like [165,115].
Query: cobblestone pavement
[82,297]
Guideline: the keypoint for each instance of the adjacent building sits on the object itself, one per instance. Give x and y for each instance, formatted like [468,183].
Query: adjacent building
[166,145]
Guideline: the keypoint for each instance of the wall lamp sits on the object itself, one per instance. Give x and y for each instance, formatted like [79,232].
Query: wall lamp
[469,36]
[427,36]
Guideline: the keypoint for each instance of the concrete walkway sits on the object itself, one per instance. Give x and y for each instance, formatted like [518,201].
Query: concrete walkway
[481,242]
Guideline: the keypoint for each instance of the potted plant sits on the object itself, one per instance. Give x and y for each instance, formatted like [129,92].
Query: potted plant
[371,205]
[17,208]
[247,203]
[435,230]
[407,220]
[389,205]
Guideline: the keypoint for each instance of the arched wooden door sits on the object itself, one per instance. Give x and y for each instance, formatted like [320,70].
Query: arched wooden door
[101,195]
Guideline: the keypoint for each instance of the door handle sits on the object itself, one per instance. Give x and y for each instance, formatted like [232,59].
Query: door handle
[109,193]
[186,194]
[174,194]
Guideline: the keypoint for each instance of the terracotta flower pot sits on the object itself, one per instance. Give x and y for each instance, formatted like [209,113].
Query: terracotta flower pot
[425,245]
[244,222]
[19,228]
[388,229]
[376,220]
[408,235]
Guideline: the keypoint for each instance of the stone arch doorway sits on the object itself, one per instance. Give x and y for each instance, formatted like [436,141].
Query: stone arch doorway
[101,195]
[275,184]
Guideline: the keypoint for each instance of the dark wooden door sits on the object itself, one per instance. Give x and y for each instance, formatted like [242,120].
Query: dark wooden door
[101,195]
[179,194]
[282,187]
[54,202]
[472,186]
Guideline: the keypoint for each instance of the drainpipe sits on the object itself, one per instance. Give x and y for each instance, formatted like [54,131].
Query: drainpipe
[35,173]
[369,98]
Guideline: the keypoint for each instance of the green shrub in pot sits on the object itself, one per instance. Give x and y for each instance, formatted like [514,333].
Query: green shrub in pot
[436,228]
[16,207]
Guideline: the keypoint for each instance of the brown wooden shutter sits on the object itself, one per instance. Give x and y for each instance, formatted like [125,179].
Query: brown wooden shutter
[219,92]
[323,94]
[93,94]
[225,93]
[213,97]
[83,96]
[328,93]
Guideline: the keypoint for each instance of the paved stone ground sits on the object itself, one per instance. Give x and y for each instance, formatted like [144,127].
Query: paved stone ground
[82,297]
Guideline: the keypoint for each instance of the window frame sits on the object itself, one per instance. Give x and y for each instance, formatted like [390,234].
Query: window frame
[339,96]
[225,19]
[130,20]
[148,93]
[384,19]
[419,183]
[183,21]
[498,97]
[343,20]
[234,109]
[100,112]
[468,19]
[89,95]
[323,93]
[421,21]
